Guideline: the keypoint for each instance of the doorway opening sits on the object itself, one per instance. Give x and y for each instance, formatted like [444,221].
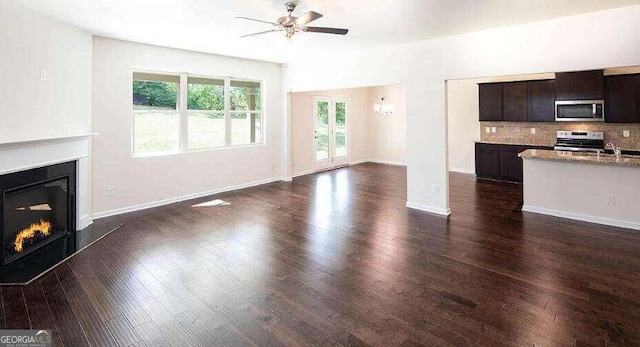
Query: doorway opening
[336,128]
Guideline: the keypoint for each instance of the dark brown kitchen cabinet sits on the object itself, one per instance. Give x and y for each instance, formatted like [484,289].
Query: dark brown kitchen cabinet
[581,85]
[490,102]
[523,101]
[487,160]
[500,161]
[541,101]
[510,163]
[622,99]
[514,102]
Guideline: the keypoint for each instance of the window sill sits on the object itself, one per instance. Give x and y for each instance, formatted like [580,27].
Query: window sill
[215,149]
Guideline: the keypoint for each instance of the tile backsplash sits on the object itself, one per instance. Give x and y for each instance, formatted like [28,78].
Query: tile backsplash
[520,133]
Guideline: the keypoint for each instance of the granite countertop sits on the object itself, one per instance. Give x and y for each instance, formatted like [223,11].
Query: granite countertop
[511,143]
[583,157]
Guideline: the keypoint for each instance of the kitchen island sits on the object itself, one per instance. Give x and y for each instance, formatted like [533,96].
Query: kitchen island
[583,186]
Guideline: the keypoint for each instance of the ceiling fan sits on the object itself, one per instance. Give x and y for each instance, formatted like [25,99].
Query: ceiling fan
[291,25]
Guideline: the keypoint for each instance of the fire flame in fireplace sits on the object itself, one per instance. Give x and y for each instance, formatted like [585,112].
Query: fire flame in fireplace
[43,227]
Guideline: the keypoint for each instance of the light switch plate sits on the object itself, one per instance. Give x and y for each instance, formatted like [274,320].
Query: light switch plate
[625,133]
[533,131]
[493,129]
[487,130]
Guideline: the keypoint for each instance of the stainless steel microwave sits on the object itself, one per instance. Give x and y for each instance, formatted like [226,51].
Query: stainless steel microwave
[580,111]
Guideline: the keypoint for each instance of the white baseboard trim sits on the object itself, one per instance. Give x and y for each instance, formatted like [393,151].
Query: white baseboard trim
[378,161]
[464,171]
[286,179]
[359,161]
[353,162]
[430,209]
[85,221]
[583,217]
[387,162]
[304,173]
[181,198]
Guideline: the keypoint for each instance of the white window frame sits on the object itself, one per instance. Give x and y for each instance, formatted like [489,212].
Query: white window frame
[185,127]
[247,112]
[183,112]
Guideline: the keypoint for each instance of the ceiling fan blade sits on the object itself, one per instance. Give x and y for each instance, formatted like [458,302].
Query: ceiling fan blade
[336,31]
[307,18]
[259,33]
[257,20]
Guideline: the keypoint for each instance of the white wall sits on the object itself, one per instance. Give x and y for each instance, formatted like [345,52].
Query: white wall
[388,134]
[553,45]
[463,124]
[34,109]
[140,182]
[371,137]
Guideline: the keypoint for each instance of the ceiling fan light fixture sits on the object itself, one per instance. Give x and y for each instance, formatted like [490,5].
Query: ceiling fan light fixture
[291,24]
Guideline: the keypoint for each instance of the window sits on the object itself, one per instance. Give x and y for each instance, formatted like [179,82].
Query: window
[245,112]
[205,113]
[155,113]
[205,104]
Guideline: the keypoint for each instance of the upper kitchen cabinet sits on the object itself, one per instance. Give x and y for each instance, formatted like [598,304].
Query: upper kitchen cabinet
[490,102]
[514,102]
[541,101]
[581,85]
[622,99]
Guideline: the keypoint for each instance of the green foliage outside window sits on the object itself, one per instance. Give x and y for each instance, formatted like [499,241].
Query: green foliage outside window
[157,95]
[340,113]
[205,97]
[323,113]
[245,99]
[163,95]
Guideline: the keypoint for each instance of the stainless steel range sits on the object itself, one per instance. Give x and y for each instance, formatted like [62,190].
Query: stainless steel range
[587,141]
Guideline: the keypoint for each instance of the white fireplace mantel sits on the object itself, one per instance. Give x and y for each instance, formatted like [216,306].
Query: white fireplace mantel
[23,155]
[28,154]
[35,142]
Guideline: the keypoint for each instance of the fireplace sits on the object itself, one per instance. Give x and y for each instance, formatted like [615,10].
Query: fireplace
[38,220]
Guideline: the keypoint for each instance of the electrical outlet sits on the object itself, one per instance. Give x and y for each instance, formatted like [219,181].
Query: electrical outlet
[611,199]
[493,129]
[533,131]
[111,191]
[625,133]
[43,74]
[435,189]
[487,130]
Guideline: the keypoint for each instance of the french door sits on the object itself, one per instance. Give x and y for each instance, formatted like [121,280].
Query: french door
[330,138]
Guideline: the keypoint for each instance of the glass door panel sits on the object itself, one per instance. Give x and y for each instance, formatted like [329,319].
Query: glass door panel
[322,144]
[340,129]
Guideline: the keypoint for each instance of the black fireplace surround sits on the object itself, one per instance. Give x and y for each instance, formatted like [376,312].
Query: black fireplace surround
[38,220]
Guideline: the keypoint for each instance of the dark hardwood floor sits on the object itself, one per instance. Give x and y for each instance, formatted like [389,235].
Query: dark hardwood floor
[335,259]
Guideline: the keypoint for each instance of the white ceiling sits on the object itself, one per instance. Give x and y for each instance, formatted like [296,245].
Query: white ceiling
[210,25]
